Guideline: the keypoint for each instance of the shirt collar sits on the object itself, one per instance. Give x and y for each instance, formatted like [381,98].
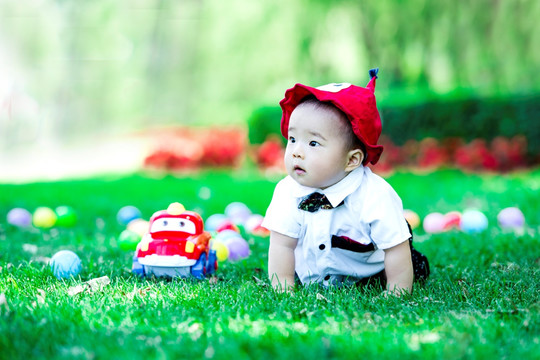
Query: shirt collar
[335,193]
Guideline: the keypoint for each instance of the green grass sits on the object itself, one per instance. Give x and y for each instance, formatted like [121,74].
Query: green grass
[480,302]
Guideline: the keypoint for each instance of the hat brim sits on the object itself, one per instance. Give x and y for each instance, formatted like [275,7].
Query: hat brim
[299,92]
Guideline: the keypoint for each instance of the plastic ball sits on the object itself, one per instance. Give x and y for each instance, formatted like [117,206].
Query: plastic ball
[65,216]
[128,240]
[204,193]
[433,222]
[511,218]
[237,212]
[238,249]
[226,235]
[176,208]
[65,264]
[214,221]
[412,218]
[139,226]
[473,221]
[228,225]
[44,217]
[19,217]
[253,222]
[452,220]
[222,251]
[261,232]
[127,214]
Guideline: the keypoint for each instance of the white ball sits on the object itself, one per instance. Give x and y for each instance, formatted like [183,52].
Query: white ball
[473,221]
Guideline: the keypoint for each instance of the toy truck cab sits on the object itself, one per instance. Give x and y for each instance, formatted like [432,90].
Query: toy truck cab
[176,245]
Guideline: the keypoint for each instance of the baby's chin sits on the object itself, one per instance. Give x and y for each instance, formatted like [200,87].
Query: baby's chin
[305,181]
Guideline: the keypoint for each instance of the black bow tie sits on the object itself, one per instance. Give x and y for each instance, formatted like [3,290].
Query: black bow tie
[314,202]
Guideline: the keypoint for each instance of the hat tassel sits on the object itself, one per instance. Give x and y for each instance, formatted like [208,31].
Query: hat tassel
[373,76]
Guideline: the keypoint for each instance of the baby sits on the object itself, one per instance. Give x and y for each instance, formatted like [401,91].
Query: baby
[333,221]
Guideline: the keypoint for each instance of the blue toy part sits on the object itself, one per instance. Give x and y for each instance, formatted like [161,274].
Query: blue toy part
[199,269]
[137,268]
[211,267]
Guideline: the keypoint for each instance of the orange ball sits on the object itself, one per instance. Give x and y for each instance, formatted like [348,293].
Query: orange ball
[412,218]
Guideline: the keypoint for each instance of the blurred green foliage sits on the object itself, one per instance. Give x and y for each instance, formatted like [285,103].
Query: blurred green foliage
[263,122]
[106,65]
[467,119]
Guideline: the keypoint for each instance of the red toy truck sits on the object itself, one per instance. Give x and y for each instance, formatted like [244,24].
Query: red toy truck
[176,245]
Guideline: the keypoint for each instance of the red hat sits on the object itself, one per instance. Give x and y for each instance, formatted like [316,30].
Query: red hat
[358,103]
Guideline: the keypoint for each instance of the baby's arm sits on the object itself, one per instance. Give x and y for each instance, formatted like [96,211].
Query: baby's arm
[398,268]
[281,261]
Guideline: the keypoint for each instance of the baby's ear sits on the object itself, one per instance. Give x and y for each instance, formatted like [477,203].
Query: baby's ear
[354,159]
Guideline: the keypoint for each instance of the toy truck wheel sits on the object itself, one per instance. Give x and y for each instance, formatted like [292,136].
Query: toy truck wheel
[199,269]
[137,268]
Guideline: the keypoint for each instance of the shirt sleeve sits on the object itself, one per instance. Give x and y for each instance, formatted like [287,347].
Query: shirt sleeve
[282,215]
[388,226]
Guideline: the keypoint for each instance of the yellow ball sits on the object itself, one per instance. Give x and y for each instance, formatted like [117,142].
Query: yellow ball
[139,226]
[44,217]
[176,208]
[412,218]
[222,251]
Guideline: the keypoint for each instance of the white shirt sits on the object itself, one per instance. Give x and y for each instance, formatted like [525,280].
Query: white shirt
[372,213]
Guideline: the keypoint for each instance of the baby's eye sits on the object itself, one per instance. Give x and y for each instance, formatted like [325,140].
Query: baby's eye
[165,223]
[182,224]
[292,139]
[314,143]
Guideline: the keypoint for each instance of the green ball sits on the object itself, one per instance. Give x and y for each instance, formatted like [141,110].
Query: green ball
[65,216]
[128,240]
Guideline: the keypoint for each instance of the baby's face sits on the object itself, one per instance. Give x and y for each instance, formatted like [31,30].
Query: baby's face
[316,153]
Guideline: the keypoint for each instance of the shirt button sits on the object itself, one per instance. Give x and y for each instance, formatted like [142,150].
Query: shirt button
[327,277]
[322,246]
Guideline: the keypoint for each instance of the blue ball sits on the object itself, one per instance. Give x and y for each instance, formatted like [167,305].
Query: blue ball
[127,214]
[473,221]
[226,235]
[214,221]
[65,264]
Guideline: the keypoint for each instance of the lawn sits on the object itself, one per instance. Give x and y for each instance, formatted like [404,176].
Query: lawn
[480,302]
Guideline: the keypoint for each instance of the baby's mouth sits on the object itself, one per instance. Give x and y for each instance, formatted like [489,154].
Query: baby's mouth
[299,170]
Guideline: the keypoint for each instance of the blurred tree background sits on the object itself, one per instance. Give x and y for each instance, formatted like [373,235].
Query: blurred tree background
[73,68]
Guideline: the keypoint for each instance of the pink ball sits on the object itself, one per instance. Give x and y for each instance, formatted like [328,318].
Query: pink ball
[254,222]
[434,223]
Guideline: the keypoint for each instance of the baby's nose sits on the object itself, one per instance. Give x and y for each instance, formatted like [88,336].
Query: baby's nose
[297,151]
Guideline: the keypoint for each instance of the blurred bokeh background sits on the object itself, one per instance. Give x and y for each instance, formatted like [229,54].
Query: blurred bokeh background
[83,82]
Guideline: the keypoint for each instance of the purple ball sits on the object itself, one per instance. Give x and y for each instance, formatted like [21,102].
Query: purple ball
[19,217]
[511,218]
[238,249]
